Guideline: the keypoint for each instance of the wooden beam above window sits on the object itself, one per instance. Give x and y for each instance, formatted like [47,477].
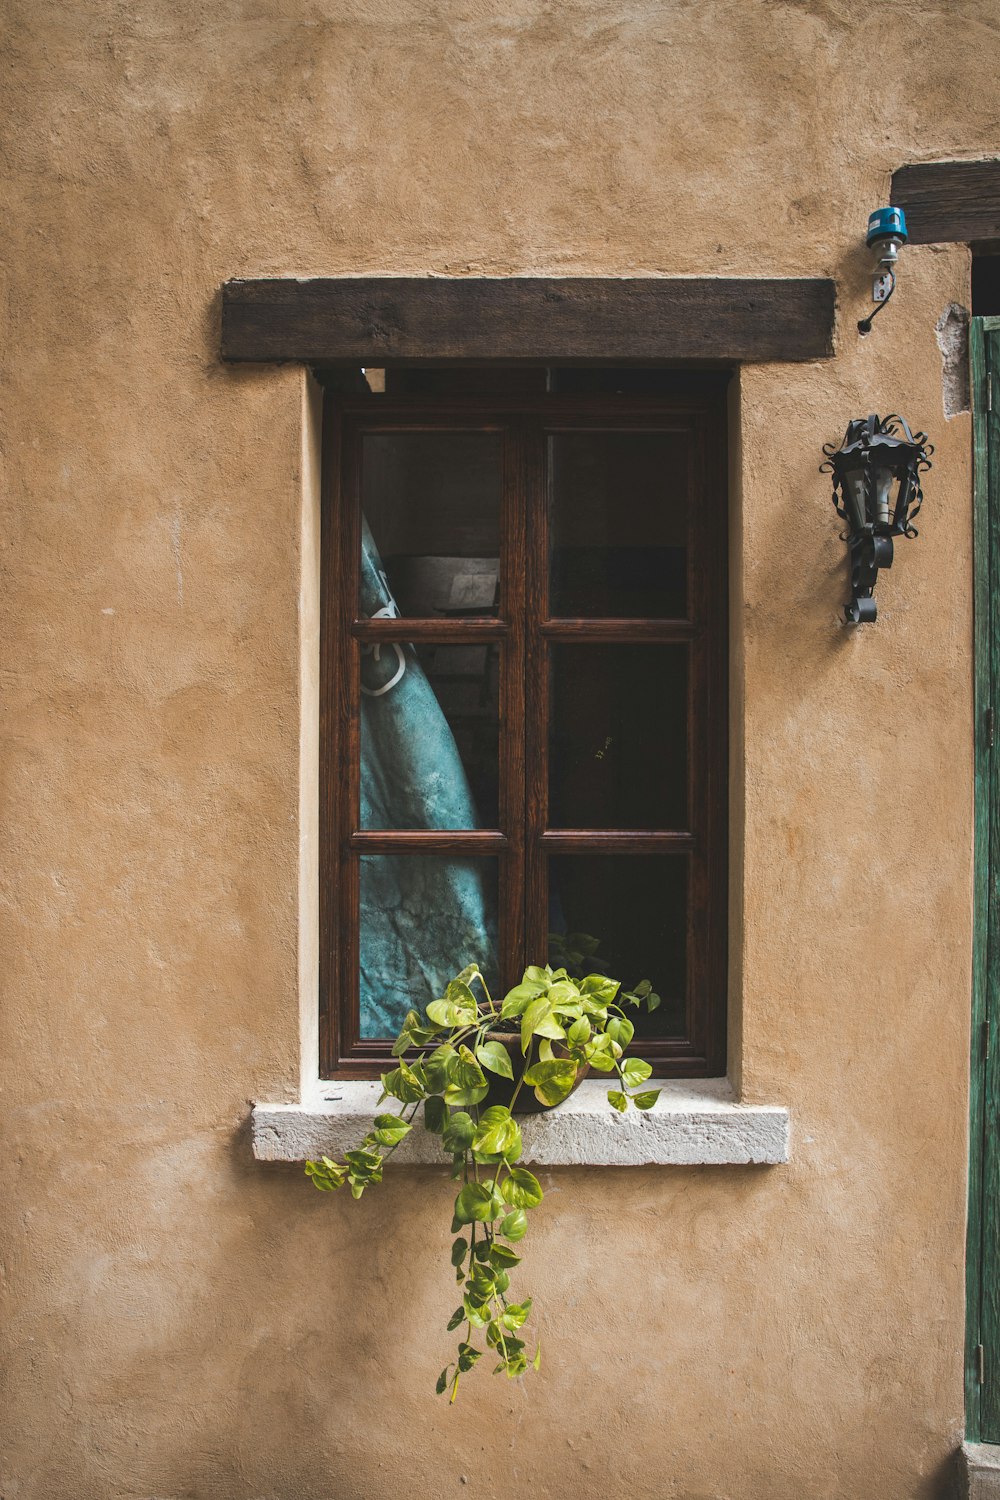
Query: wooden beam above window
[949,201]
[531,320]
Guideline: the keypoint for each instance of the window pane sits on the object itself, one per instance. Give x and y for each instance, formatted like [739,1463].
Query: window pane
[430,729]
[635,907]
[618,520]
[431,504]
[423,918]
[618,737]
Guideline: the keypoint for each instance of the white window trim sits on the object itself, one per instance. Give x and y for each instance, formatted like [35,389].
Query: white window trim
[695,1122]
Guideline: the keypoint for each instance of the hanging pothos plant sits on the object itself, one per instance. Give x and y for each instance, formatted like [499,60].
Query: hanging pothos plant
[552,1029]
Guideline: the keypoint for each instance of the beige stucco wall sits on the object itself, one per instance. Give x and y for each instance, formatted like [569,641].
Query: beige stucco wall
[177,1321]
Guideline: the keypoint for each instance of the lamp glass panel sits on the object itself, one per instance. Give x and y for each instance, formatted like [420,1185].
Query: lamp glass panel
[855,481]
[883,494]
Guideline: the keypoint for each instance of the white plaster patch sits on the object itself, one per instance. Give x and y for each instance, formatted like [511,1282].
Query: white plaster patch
[952,332]
[694,1123]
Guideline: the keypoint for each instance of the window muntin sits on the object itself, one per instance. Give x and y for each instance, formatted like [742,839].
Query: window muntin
[595,740]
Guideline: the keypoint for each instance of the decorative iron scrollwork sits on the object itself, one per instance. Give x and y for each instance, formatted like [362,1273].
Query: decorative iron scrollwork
[877,491]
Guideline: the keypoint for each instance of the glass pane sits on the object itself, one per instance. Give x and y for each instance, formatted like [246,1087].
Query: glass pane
[431,504]
[423,918]
[618,521]
[618,737]
[635,908]
[430,730]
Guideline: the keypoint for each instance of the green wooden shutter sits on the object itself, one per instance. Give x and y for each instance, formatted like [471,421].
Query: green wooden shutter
[982,1366]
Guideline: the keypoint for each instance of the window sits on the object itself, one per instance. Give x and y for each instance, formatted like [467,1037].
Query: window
[524,695]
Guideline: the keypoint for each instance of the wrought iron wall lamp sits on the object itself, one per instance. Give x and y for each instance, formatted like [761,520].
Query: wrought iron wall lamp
[876,490]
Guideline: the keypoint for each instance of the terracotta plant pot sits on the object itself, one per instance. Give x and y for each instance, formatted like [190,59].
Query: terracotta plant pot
[502,1089]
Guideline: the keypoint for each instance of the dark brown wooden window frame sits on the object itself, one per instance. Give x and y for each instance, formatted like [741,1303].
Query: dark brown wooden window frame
[524,842]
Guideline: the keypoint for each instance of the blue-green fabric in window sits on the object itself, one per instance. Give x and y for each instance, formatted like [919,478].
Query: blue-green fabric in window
[423,917]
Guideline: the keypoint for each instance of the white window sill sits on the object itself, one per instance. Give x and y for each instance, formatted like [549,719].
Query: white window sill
[695,1122]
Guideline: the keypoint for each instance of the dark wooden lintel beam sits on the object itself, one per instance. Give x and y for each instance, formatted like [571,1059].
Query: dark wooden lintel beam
[949,201]
[377,321]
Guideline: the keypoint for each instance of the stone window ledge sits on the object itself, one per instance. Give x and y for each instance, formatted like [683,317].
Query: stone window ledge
[695,1122]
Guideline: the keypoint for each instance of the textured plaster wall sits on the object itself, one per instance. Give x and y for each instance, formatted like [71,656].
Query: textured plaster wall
[178,1322]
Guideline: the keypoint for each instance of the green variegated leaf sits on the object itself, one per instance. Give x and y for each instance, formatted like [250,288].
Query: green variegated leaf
[579,1032]
[476,1203]
[497,1137]
[515,1225]
[646,1101]
[501,1256]
[390,1129]
[363,1162]
[563,992]
[437,1066]
[521,1189]
[618,1100]
[552,1080]
[435,1114]
[460,1093]
[327,1175]
[459,1251]
[600,988]
[537,1012]
[482,1283]
[515,1314]
[467,1081]
[517,1000]
[413,1034]
[447,1013]
[636,1071]
[477,1316]
[457,1317]
[494,1055]
[620,1030]
[458,1132]
[403,1084]
[460,995]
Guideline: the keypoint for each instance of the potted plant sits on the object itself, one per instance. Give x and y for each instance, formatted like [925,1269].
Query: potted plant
[534,1046]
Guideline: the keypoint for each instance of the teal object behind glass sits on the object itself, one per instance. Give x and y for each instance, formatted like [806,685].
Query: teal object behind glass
[423,918]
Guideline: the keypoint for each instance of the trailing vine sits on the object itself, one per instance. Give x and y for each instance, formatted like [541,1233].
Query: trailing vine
[555,1027]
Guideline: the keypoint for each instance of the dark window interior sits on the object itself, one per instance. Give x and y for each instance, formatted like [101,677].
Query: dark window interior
[552,543]
[986,280]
